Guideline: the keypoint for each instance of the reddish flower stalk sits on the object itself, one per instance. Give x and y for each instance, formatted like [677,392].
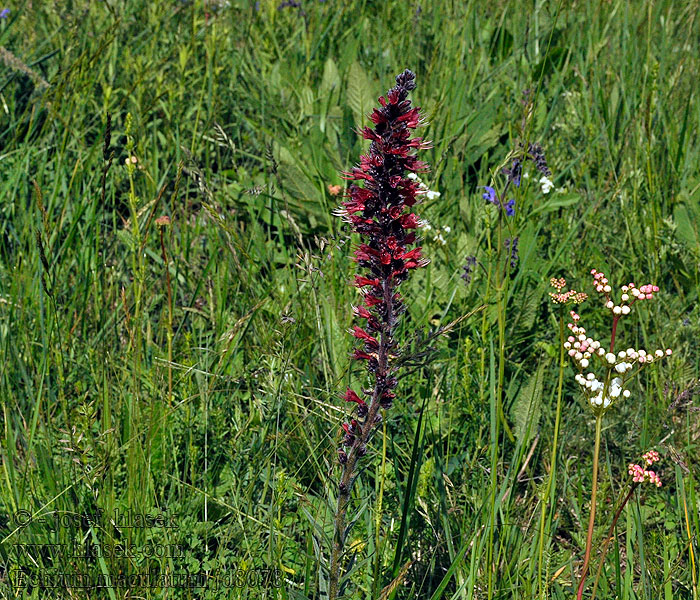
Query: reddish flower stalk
[380,212]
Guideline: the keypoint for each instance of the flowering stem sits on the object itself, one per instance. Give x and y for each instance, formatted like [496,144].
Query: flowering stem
[616,318]
[591,520]
[609,537]
[347,477]
[553,460]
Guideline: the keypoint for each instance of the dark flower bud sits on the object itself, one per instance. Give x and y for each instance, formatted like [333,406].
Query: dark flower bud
[342,456]
[469,269]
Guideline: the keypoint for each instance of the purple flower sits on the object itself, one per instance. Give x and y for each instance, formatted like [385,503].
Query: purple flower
[490,195]
[514,173]
[535,153]
[4,13]
[469,269]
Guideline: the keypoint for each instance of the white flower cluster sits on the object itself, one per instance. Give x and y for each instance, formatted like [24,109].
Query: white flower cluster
[429,194]
[438,237]
[595,390]
[546,184]
[582,348]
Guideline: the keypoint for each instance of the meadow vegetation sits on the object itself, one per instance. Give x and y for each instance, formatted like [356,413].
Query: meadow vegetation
[175,297]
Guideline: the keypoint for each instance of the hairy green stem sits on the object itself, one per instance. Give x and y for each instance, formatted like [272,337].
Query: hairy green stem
[358,448]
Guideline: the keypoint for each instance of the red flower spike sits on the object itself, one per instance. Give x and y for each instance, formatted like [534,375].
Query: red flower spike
[378,211]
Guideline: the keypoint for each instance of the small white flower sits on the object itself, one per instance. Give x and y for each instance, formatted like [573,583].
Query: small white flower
[431,195]
[626,393]
[413,176]
[584,363]
[610,357]
[625,310]
[447,229]
[546,184]
[617,310]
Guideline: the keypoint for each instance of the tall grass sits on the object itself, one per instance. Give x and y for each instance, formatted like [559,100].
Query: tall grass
[196,374]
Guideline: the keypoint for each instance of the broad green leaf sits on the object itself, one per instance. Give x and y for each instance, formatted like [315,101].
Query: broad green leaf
[360,94]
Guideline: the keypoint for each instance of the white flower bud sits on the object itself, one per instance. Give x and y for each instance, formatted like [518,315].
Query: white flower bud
[626,393]
[610,357]
[625,297]
[584,363]
[617,310]
[625,310]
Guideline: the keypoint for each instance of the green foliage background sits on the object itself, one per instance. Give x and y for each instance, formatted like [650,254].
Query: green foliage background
[242,115]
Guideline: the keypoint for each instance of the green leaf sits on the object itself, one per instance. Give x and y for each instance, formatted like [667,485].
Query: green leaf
[360,94]
[686,219]
[559,201]
[528,406]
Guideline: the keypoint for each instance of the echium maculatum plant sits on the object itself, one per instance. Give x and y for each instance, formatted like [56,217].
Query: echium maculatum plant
[380,211]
